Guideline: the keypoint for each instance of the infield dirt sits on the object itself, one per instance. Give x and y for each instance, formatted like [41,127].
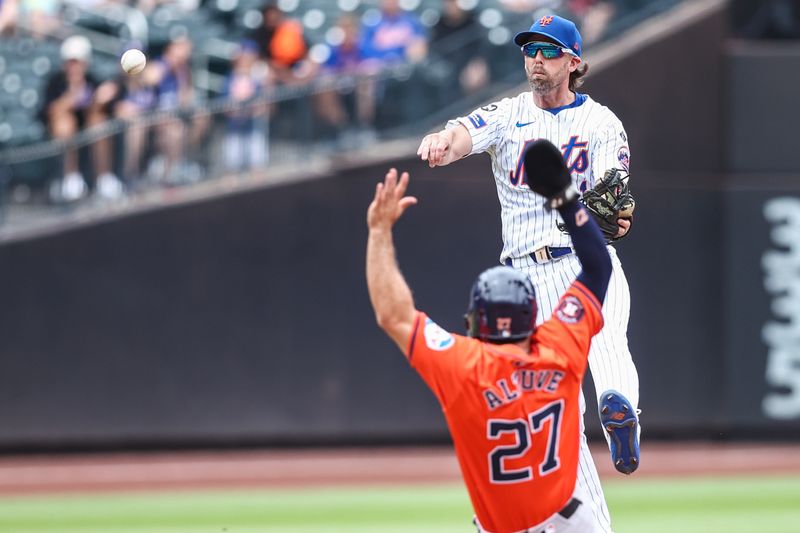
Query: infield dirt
[354,466]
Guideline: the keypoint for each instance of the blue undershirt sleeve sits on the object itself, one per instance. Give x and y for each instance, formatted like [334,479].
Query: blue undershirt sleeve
[590,247]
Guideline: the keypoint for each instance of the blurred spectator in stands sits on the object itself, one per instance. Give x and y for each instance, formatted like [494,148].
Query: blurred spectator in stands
[9,11]
[530,6]
[74,100]
[147,6]
[593,17]
[43,16]
[347,57]
[454,39]
[136,97]
[283,46]
[454,20]
[179,136]
[346,108]
[395,37]
[245,145]
[89,5]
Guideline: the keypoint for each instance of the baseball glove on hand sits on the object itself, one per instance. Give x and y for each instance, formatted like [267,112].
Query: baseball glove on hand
[609,200]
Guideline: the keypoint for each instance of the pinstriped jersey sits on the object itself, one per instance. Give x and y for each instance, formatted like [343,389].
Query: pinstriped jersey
[590,136]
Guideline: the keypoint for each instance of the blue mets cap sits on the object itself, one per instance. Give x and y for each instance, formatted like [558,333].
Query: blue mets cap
[557,28]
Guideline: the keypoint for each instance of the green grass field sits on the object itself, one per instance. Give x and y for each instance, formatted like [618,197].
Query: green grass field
[731,505]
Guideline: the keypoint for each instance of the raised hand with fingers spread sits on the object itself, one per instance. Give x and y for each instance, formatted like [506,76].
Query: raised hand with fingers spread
[389,202]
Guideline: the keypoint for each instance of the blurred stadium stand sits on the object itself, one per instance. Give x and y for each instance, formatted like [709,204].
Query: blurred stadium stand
[415,97]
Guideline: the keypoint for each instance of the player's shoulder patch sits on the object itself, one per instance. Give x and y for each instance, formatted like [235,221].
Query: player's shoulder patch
[437,338]
[624,157]
[570,310]
[477,120]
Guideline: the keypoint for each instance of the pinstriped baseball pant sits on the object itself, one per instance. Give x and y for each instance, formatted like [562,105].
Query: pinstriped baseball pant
[580,520]
[610,358]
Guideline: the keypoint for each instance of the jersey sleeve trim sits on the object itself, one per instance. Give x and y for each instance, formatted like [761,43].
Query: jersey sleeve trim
[469,125]
[589,296]
[412,340]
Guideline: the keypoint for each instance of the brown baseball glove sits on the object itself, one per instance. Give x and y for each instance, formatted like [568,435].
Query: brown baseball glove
[609,200]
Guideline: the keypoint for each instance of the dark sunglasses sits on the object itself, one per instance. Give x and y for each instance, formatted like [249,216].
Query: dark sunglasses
[549,50]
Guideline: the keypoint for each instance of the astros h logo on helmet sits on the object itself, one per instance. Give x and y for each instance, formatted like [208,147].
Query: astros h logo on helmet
[504,326]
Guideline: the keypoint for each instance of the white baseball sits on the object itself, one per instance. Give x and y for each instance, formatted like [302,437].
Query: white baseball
[133,61]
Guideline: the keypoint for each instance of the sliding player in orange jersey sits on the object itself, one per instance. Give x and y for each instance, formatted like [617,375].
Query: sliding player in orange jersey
[509,390]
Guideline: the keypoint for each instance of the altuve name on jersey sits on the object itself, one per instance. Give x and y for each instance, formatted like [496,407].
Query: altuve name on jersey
[522,381]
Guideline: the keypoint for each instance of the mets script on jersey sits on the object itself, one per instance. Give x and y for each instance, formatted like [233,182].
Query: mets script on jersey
[590,136]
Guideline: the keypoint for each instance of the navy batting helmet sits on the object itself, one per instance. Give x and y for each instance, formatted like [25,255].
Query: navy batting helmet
[502,306]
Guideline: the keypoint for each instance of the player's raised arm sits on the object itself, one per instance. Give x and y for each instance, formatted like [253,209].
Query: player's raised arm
[548,176]
[390,295]
[444,147]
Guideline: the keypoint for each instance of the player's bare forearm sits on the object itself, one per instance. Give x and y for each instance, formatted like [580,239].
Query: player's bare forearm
[444,147]
[388,291]
[390,295]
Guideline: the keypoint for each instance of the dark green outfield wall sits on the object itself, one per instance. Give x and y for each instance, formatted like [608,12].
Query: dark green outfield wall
[245,319]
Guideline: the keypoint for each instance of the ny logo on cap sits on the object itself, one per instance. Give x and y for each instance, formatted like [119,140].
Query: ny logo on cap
[544,21]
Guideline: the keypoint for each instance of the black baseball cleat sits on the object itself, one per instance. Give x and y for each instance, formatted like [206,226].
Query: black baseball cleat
[621,424]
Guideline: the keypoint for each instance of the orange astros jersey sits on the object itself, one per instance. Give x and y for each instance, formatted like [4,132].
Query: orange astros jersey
[514,416]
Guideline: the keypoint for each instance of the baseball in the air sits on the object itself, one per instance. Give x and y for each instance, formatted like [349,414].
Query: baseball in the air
[133,61]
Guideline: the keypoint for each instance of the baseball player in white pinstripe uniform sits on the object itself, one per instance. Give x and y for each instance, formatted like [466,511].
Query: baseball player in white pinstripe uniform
[592,140]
